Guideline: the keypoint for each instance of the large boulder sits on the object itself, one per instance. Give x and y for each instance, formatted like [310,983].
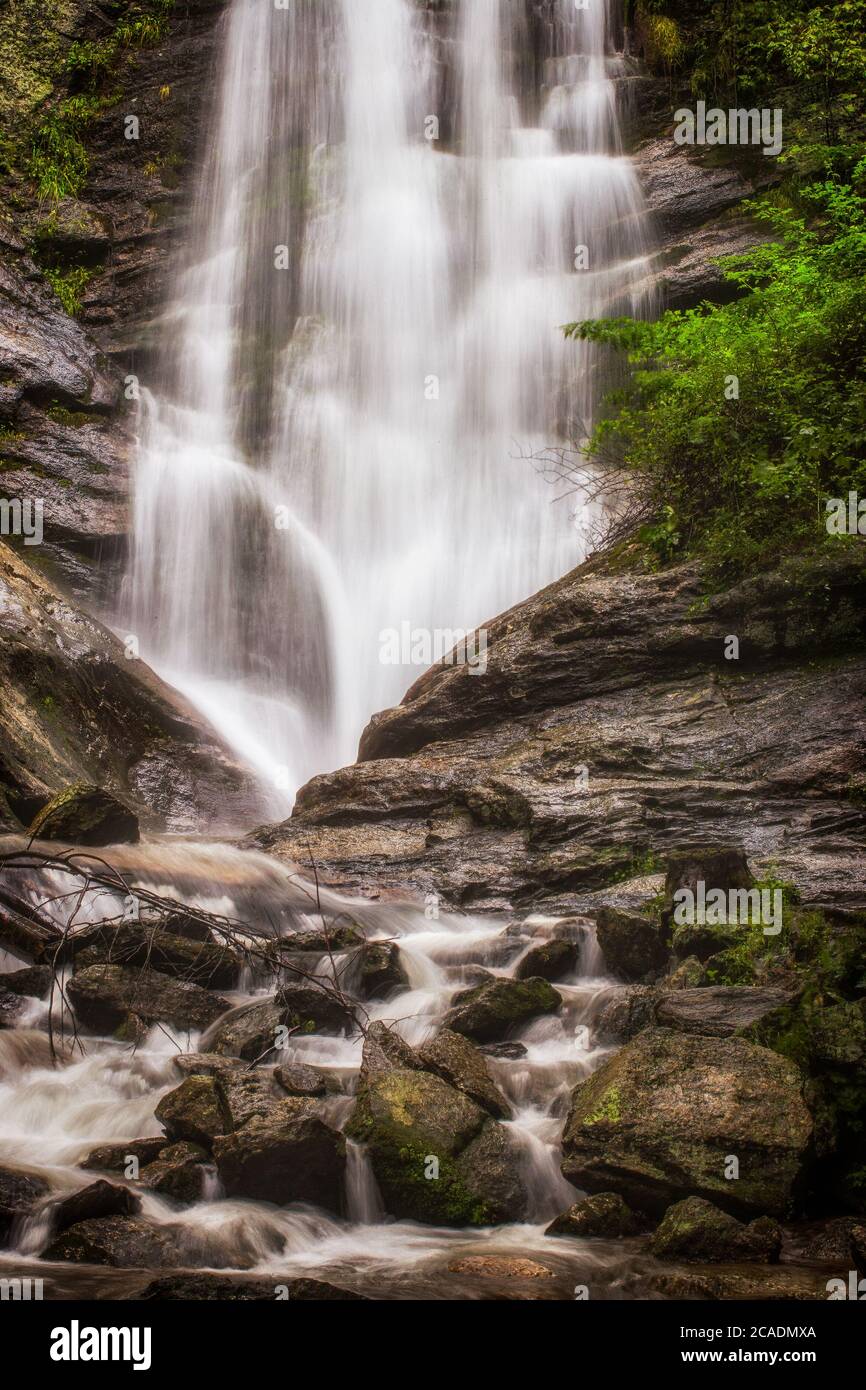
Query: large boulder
[489,1011]
[192,1112]
[460,1063]
[20,1193]
[696,1230]
[385,1050]
[626,1011]
[108,998]
[133,944]
[297,1079]
[34,980]
[243,1094]
[437,1156]
[286,1155]
[604,1215]
[633,946]
[124,1242]
[114,1158]
[720,1011]
[85,815]
[663,1119]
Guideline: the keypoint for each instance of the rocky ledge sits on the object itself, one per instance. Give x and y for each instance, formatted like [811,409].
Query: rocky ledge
[609,729]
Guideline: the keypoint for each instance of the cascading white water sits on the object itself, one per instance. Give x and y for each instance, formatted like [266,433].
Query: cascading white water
[365,352]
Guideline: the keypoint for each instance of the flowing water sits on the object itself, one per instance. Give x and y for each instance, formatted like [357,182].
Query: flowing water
[398,207]
[106,1092]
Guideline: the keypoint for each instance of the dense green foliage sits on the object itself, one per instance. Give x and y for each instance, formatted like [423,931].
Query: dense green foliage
[742,419]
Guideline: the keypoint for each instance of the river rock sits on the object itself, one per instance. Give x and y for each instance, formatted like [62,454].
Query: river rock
[437,1156]
[20,1193]
[12,1006]
[500,1267]
[192,1112]
[85,815]
[114,1158]
[198,1287]
[124,1242]
[633,946]
[177,1173]
[659,1121]
[286,1155]
[97,1200]
[384,1050]
[550,960]
[696,1230]
[604,1215]
[626,1011]
[204,1063]
[105,997]
[35,980]
[488,1012]
[248,1032]
[133,944]
[720,1011]
[377,971]
[460,1063]
[243,1094]
[300,1080]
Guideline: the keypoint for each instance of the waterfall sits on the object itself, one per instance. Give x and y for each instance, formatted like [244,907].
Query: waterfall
[398,206]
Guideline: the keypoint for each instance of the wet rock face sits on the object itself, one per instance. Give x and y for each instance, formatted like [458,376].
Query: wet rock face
[696,1230]
[74,710]
[623,672]
[131,944]
[458,1062]
[664,1117]
[605,1215]
[719,1011]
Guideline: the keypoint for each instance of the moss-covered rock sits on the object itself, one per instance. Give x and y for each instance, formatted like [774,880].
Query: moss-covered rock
[460,1063]
[437,1156]
[177,1173]
[696,1230]
[490,1011]
[664,1118]
[85,815]
[549,960]
[286,1155]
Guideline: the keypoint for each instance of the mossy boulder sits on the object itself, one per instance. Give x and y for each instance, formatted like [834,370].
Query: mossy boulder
[124,1242]
[549,960]
[604,1215]
[490,1011]
[310,1009]
[459,1062]
[192,1112]
[633,946]
[247,1032]
[664,1118]
[438,1157]
[698,1231]
[85,815]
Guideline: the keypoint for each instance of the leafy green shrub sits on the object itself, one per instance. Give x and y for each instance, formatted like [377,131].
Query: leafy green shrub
[740,420]
[69,285]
